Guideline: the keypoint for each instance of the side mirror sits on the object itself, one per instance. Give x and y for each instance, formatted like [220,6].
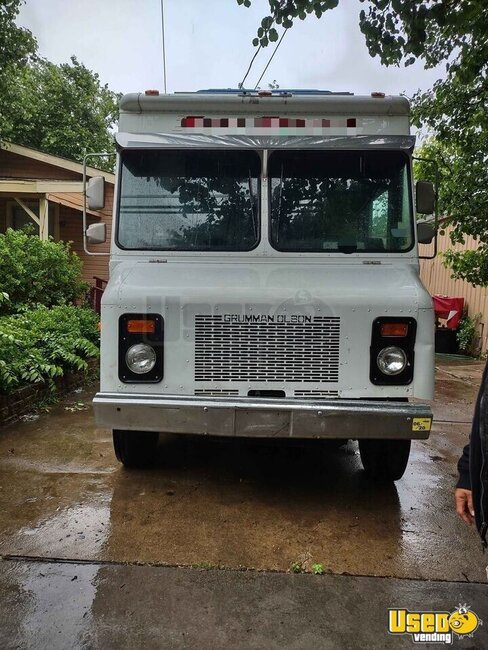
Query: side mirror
[425,197]
[96,233]
[95,193]
[425,232]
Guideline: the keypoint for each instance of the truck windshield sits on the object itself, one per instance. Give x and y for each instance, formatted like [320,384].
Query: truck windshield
[340,201]
[189,200]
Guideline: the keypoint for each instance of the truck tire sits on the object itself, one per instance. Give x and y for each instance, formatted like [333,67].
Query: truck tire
[135,449]
[385,459]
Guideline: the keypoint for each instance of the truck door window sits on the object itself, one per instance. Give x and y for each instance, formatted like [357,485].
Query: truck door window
[340,201]
[189,200]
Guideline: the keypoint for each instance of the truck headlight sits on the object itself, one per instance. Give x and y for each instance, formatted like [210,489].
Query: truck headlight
[391,360]
[140,358]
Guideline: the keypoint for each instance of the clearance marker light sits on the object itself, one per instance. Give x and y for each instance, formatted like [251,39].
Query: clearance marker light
[141,326]
[394,329]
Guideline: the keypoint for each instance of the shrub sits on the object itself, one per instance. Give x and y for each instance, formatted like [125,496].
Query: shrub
[41,344]
[36,272]
[466,333]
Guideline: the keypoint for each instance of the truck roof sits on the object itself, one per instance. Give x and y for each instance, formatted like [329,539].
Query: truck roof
[299,103]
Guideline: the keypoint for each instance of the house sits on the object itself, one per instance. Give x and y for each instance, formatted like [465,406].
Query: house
[47,191]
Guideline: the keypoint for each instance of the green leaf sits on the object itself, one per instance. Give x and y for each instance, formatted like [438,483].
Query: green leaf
[273,35]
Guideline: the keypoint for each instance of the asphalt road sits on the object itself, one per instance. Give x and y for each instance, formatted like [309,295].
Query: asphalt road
[210,507]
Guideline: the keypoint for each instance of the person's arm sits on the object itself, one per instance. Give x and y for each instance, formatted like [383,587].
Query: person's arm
[463,495]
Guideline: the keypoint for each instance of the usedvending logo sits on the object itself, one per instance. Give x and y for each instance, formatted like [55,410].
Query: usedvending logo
[434,627]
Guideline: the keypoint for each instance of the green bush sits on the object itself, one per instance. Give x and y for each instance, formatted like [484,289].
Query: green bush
[36,272]
[466,333]
[40,344]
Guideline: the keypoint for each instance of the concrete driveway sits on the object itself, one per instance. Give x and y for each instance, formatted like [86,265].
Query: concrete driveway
[86,544]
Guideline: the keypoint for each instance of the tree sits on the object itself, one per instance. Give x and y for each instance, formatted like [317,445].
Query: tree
[17,48]
[62,109]
[400,30]
[453,114]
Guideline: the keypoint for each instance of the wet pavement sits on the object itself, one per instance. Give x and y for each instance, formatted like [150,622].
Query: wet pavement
[230,504]
[64,606]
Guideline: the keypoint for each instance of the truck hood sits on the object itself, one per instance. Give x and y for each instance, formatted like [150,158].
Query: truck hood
[377,287]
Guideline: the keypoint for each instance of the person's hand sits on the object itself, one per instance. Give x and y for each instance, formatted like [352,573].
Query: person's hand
[464,505]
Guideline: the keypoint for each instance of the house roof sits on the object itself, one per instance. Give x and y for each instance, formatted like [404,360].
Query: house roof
[56,161]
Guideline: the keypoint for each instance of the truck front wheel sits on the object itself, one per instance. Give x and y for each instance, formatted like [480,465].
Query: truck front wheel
[135,448]
[384,459]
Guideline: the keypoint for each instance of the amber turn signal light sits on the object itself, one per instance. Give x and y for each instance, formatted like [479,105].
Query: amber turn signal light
[394,329]
[141,326]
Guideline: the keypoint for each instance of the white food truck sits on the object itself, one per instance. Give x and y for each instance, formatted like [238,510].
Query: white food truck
[264,274]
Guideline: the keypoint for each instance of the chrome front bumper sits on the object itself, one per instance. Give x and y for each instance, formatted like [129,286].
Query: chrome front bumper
[263,418]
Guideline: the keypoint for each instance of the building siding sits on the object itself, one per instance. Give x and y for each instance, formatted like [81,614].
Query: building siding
[15,166]
[437,280]
[3,214]
[71,229]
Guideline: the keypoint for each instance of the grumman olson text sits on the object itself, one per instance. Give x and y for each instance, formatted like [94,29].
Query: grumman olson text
[263,318]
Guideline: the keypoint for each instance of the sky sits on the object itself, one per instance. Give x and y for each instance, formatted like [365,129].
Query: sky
[208,45]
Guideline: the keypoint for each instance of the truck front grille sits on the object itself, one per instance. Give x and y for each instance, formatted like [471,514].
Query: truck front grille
[216,392]
[316,394]
[264,351]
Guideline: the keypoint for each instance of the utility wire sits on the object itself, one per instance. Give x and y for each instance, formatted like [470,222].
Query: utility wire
[250,65]
[271,58]
[163,43]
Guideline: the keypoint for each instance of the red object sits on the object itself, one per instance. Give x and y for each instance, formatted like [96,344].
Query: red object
[450,309]
[96,292]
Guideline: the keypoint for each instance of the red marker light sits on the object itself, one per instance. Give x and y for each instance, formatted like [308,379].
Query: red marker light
[377,95]
[151,93]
